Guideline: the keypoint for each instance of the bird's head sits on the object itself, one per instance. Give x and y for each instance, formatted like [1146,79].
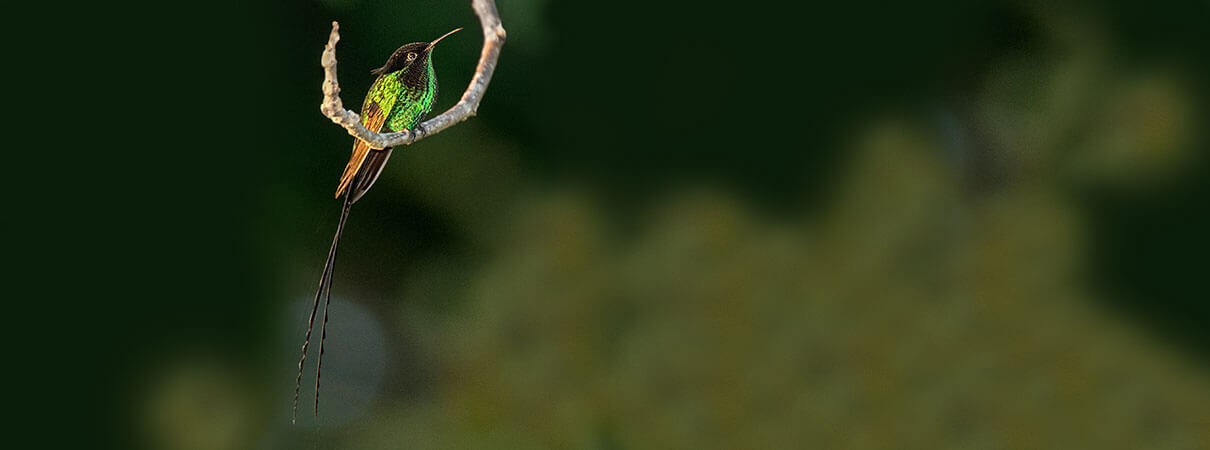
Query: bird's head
[414,55]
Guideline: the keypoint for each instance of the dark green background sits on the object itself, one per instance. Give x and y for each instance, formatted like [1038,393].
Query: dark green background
[184,200]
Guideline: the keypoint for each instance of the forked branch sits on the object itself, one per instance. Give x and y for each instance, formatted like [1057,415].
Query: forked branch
[467,106]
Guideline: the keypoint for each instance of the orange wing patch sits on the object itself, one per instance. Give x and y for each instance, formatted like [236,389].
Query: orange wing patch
[374,117]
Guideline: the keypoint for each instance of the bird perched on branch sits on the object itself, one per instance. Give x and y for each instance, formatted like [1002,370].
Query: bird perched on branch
[398,100]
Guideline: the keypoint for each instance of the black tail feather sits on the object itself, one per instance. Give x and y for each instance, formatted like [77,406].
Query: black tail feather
[370,170]
[325,290]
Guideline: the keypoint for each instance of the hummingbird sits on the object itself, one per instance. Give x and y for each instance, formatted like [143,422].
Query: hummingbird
[398,100]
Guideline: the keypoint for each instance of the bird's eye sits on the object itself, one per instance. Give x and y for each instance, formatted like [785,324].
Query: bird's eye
[411,56]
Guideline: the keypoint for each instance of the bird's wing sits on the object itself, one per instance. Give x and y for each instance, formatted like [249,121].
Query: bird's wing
[373,116]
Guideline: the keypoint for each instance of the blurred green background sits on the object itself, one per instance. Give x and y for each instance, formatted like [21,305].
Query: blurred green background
[672,225]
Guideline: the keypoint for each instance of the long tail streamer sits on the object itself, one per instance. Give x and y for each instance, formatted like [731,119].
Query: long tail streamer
[325,291]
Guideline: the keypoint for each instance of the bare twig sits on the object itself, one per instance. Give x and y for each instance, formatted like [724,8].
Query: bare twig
[333,108]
